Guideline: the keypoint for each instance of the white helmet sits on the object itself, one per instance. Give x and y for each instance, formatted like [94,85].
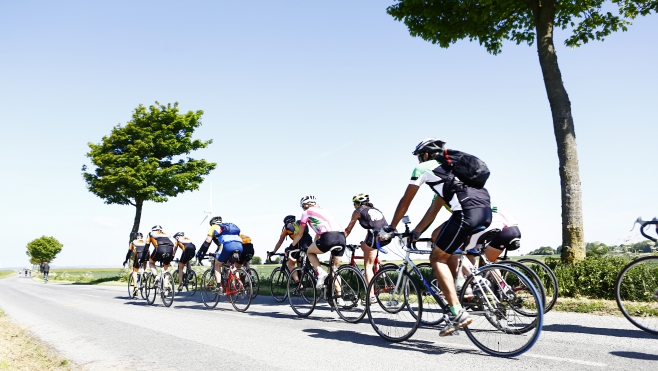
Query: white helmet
[157,227]
[308,199]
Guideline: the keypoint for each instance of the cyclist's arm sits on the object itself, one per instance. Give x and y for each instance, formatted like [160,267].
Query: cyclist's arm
[355,217]
[403,205]
[278,244]
[430,215]
[175,248]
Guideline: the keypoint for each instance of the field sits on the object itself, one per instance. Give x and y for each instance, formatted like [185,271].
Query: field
[5,274]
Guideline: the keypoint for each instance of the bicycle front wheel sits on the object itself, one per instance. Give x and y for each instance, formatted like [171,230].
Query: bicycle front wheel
[636,292]
[547,278]
[350,293]
[389,312]
[506,322]
[255,281]
[167,290]
[209,289]
[240,290]
[432,310]
[302,295]
[279,284]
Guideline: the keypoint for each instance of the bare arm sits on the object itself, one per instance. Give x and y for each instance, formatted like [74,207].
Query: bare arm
[278,244]
[355,217]
[404,203]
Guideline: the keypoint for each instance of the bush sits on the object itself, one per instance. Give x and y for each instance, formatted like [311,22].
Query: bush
[256,260]
[544,250]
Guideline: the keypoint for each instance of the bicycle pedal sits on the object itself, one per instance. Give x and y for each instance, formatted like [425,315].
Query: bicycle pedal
[456,332]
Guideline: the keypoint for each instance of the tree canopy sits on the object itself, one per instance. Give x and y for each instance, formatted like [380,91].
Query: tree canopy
[43,249]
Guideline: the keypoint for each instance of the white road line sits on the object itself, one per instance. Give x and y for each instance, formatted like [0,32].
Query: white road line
[571,360]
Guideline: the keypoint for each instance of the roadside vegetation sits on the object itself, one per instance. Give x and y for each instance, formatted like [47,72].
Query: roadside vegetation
[5,274]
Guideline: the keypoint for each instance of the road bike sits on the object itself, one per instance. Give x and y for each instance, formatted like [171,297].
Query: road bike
[190,281]
[351,252]
[504,304]
[235,284]
[163,283]
[134,287]
[344,289]
[279,277]
[636,288]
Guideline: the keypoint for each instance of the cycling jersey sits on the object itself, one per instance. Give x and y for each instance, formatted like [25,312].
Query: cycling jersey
[138,246]
[158,238]
[221,237]
[371,218]
[456,195]
[320,220]
[185,244]
[293,230]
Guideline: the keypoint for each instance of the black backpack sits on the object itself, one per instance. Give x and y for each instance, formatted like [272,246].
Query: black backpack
[469,169]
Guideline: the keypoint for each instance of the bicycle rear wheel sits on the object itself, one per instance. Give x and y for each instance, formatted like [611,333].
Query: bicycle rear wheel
[432,310]
[389,314]
[255,281]
[302,295]
[209,289]
[132,287]
[167,290]
[191,283]
[141,282]
[506,323]
[279,284]
[353,294]
[636,293]
[547,278]
[150,290]
[240,289]
[531,275]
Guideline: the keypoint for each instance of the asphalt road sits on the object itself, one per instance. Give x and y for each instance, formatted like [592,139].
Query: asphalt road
[99,328]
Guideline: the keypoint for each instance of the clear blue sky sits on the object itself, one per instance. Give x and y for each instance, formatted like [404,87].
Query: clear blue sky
[322,97]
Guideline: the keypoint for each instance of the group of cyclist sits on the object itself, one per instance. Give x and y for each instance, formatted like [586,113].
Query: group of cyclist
[471,215]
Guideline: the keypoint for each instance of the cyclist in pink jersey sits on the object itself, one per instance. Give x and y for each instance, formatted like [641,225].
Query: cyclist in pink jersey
[328,234]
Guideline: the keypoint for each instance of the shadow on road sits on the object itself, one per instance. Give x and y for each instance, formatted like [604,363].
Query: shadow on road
[636,355]
[598,331]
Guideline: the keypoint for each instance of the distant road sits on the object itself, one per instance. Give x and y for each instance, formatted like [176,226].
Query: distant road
[99,328]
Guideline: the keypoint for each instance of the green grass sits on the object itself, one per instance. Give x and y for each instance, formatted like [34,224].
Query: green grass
[5,274]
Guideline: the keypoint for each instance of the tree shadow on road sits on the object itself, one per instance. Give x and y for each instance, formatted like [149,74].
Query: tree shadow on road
[636,355]
[598,331]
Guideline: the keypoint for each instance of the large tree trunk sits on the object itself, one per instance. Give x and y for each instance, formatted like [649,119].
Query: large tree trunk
[138,218]
[573,238]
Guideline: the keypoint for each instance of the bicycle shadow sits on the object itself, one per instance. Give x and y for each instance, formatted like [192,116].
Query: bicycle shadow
[636,355]
[598,331]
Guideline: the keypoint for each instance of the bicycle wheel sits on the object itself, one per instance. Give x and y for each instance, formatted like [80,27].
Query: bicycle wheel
[167,290]
[528,273]
[547,278]
[302,295]
[279,284]
[350,293]
[499,328]
[209,289]
[150,290]
[191,283]
[240,289]
[255,281]
[389,314]
[141,282]
[432,310]
[132,287]
[636,292]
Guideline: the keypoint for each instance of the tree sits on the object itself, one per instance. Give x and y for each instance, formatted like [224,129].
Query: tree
[142,161]
[444,22]
[43,249]
[256,260]
[544,250]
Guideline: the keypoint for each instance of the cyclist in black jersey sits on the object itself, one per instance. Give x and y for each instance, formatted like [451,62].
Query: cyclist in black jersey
[188,250]
[372,220]
[247,251]
[470,206]
[137,246]
[290,229]
[163,249]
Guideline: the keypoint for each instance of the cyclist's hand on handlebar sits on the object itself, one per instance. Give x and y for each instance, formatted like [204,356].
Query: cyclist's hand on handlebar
[385,235]
[388,229]
[415,236]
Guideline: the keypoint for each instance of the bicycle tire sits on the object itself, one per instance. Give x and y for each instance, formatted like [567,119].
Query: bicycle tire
[279,284]
[496,321]
[209,296]
[389,314]
[150,290]
[530,274]
[168,290]
[302,295]
[353,294]
[131,286]
[255,281]
[548,279]
[432,310]
[639,306]
[192,284]
[144,279]
[239,289]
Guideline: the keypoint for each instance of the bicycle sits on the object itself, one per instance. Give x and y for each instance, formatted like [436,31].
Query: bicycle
[279,278]
[255,279]
[504,304]
[190,282]
[351,250]
[142,276]
[235,284]
[344,290]
[636,287]
[164,283]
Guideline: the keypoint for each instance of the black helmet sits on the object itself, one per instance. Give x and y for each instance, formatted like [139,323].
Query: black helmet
[215,220]
[429,145]
[289,219]
[138,236]
[179,234]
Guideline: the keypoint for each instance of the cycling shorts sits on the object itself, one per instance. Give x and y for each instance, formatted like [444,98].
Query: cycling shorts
[330,239]
[505,238]
[187,255]
[460,226]
[138,261]
[163,253]
[247,253]
[227,251]
[370,240]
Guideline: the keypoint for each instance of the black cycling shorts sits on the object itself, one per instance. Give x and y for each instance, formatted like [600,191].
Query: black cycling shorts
[139,259]
[163,253]
[187,255]
[504,239]
[330,239]
[460,226]
[247,253]
[370,239]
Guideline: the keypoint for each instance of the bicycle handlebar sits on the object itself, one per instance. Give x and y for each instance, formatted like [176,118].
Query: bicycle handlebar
[269,256]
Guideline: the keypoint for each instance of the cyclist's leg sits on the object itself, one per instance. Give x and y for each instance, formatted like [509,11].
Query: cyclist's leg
[180,272]
[313,252]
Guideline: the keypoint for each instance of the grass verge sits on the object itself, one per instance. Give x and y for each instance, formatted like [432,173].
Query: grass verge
[5,274]
[19,350]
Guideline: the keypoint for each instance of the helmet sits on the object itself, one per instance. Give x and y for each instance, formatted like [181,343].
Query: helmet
[215,220]
[429,145]
[308,199]
[179,234]
[156,227]
[138,236]
[361,198]
[289,219]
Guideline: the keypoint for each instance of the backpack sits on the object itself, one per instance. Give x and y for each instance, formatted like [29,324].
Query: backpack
[469,169]
[230,229]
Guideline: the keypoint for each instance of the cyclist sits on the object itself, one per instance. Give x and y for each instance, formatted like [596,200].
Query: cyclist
[46,271]
[328,234]
[188,249]
[163,249]
[247,251]
[290,229]
[137,246]
[227,238]
[209,239]
[371,219]
[470,207]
